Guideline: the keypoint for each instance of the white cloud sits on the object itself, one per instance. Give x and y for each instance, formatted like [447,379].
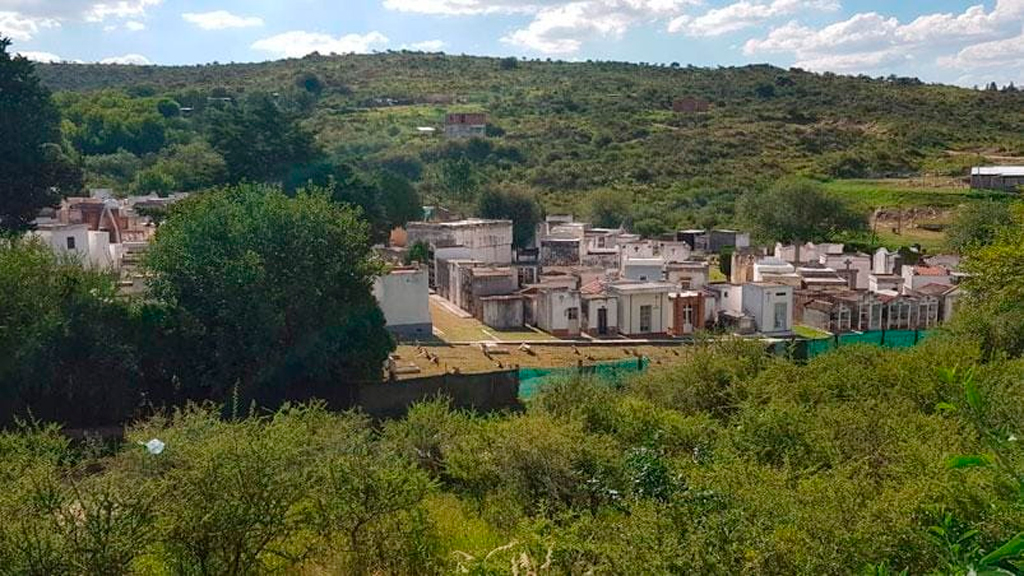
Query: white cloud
[127,59]
[47,57]
[1007,53]
[745,14]
[562,29]
[464,7]
[134,26]
[428,45]
[299,43]
[23,28]
[221,19]
[100,11]
[870,42]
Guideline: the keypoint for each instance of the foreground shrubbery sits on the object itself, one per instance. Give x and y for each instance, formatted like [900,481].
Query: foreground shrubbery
[733,462]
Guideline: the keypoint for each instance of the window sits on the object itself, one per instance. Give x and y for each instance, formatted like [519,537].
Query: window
[645,318]
[688,315]
[71,242]
[574,313]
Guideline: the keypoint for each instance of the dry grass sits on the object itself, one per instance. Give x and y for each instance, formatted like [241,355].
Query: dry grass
[471,359]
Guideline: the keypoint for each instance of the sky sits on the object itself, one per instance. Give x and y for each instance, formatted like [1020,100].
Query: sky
[938,40]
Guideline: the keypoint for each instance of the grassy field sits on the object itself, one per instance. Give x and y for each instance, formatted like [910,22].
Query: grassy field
[471,359]
[808,332]
[451,327]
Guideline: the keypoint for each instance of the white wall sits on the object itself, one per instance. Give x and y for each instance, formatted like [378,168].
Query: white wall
[759,302]
[553,311]
[862,264]
[404,297]
[595,304]
[629,312]
[644,270]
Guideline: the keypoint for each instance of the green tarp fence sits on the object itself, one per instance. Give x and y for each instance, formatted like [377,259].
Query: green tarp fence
[531,380]
[886,338]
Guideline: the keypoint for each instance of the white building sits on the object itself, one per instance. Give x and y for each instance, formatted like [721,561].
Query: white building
[643,269]
[771,306]
[644,308]
[487,241]
[915,277]
[884,262]
[558,312]
[862,263]
[404,297]
[600,310]
[773,269]
[689,275]
[762,306]
[885,283]
[90,247]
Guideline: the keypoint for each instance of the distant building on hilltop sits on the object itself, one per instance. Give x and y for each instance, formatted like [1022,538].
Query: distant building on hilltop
[690,105]
[465,125]
[1008,178]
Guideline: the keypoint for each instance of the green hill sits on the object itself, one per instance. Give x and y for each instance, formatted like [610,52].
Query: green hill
[568,128]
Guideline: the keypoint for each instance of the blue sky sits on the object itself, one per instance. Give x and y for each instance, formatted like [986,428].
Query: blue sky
[940,40]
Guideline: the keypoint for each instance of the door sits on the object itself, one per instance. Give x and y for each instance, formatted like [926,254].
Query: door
[573,316]
[602,321]
[645,319]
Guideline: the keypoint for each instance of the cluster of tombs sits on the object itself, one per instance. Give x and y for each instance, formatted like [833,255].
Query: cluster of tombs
[104,232]
[579,281]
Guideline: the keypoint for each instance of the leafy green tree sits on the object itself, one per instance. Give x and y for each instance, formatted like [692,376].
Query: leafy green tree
[68,346]
[259,141]
[168,108]
[977,224]
[277,290]
[399,199]
[115,170]
[993,310]
[513,203]
[153,181]
[457,180]
[609,208]
[107,121]
[796,210]
[193,166]
[34,171]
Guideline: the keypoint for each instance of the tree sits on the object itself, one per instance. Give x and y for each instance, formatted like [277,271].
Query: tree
[796,211]
[399,199]
[259,141]
[993,311]
[66,340]
[193,166]
[168,108]
[276,288]
[977,224]
[512,203]
[609,208]
[153,181]
[34,170]
[458,180]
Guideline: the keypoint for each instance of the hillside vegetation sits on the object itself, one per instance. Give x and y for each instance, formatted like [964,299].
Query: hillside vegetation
[567,129]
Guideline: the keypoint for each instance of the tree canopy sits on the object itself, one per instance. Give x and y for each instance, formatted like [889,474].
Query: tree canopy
[260,141]
[513,203]
[796,210]
[34,169]
[277,289]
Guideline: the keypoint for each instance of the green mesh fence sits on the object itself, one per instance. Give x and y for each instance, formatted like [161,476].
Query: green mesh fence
[888,338]
[874,338]
[531,380]
[817,347]
[900,339]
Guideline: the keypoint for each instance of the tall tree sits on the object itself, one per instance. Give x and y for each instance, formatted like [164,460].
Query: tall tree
[513,203]
[34,171]
[277,288]
[796,210]
[259,141]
